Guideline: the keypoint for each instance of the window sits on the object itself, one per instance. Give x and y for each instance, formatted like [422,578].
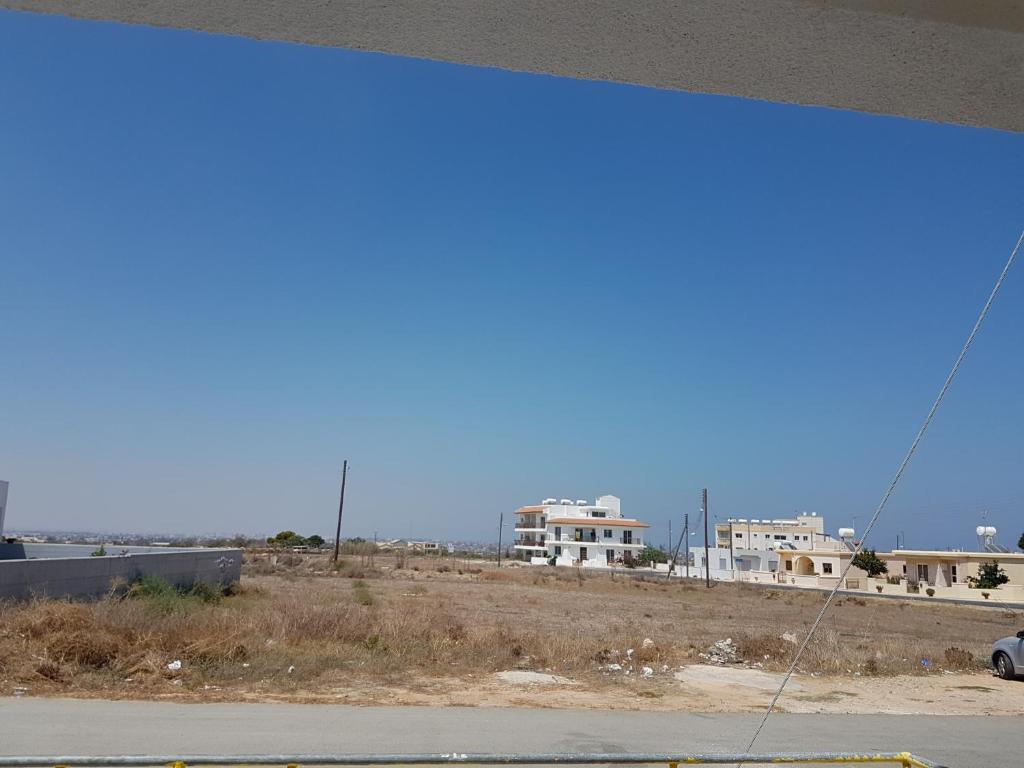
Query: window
[558,531]
[952,570]
[779,537]
[558,551]
[627,537]
[595,513]
[610,555]
[826,567]
[922,571]
[805,538]
[739,535]
[721,564]
[789,565]
[607,533]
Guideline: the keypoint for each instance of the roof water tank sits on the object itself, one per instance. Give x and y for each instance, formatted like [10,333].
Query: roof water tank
[980,530]
[565,501]
[846,533]
[990,531]
[548,501]
[581,502]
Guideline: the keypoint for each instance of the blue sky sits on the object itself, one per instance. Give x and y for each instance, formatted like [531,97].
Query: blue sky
[226,265]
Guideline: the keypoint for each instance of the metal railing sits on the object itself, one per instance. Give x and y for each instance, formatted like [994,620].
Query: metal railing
[902,759]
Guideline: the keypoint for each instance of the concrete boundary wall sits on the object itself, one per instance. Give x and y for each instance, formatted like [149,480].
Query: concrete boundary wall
[93,576]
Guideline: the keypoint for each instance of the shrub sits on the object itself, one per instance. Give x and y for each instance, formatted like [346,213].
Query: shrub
[164,598]
[930,592]
[958,658]
[361,592]
[892,579]
[990,576]
[651,555]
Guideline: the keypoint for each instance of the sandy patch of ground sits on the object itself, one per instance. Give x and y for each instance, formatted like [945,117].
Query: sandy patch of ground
[704,688]
[524,677]
[704,675]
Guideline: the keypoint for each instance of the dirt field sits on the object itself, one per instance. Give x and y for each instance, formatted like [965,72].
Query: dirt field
[442,632]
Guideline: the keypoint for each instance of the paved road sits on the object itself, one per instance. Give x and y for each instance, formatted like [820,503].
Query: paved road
[30,726]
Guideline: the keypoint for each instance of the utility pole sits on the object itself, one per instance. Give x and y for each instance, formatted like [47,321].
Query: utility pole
[341,508]
[501,524]
[732,556]
[669,535]
[707,562]
[686,538]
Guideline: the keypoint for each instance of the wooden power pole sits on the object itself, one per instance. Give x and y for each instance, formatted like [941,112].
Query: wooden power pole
[686,541]
[341,508]
[501,524]
[707,563]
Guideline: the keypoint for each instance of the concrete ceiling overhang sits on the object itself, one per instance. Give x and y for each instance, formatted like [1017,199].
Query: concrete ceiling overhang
[950,61]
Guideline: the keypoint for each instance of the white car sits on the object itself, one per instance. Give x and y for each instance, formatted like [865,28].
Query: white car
[1008,656]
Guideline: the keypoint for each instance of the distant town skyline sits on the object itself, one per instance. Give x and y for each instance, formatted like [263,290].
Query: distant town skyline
[228,265]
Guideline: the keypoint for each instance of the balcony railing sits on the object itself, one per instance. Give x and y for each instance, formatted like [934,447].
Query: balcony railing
[530,524]
[531,543]
[592,539]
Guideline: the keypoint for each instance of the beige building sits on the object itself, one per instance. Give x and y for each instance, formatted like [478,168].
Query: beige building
[806,531]
[935,568]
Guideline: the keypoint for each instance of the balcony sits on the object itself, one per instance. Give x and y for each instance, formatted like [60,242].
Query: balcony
[528,543]
[530,523]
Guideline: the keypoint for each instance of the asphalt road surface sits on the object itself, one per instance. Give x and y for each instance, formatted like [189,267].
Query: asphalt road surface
[31,726]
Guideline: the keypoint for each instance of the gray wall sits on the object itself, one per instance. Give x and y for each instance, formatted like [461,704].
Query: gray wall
[19,550]
[93,576]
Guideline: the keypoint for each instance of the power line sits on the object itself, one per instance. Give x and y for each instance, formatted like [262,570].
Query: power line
[892,486]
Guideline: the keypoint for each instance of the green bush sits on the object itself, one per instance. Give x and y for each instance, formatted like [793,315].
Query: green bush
[990,576]
[165,598]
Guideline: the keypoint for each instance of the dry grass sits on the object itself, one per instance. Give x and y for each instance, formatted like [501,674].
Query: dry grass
[388,624]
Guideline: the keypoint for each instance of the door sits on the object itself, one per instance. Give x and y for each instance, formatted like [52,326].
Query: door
[583,554]
[609,556]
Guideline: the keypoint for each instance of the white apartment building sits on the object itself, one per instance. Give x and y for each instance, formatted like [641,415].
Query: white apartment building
[578,533]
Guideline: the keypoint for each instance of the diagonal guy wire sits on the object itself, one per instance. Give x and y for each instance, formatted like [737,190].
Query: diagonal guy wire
[890,489]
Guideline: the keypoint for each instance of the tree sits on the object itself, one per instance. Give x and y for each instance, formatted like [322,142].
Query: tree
[1020,542]
[285,539]
[868,561]
[990,576]
[651,555]
[316,541]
